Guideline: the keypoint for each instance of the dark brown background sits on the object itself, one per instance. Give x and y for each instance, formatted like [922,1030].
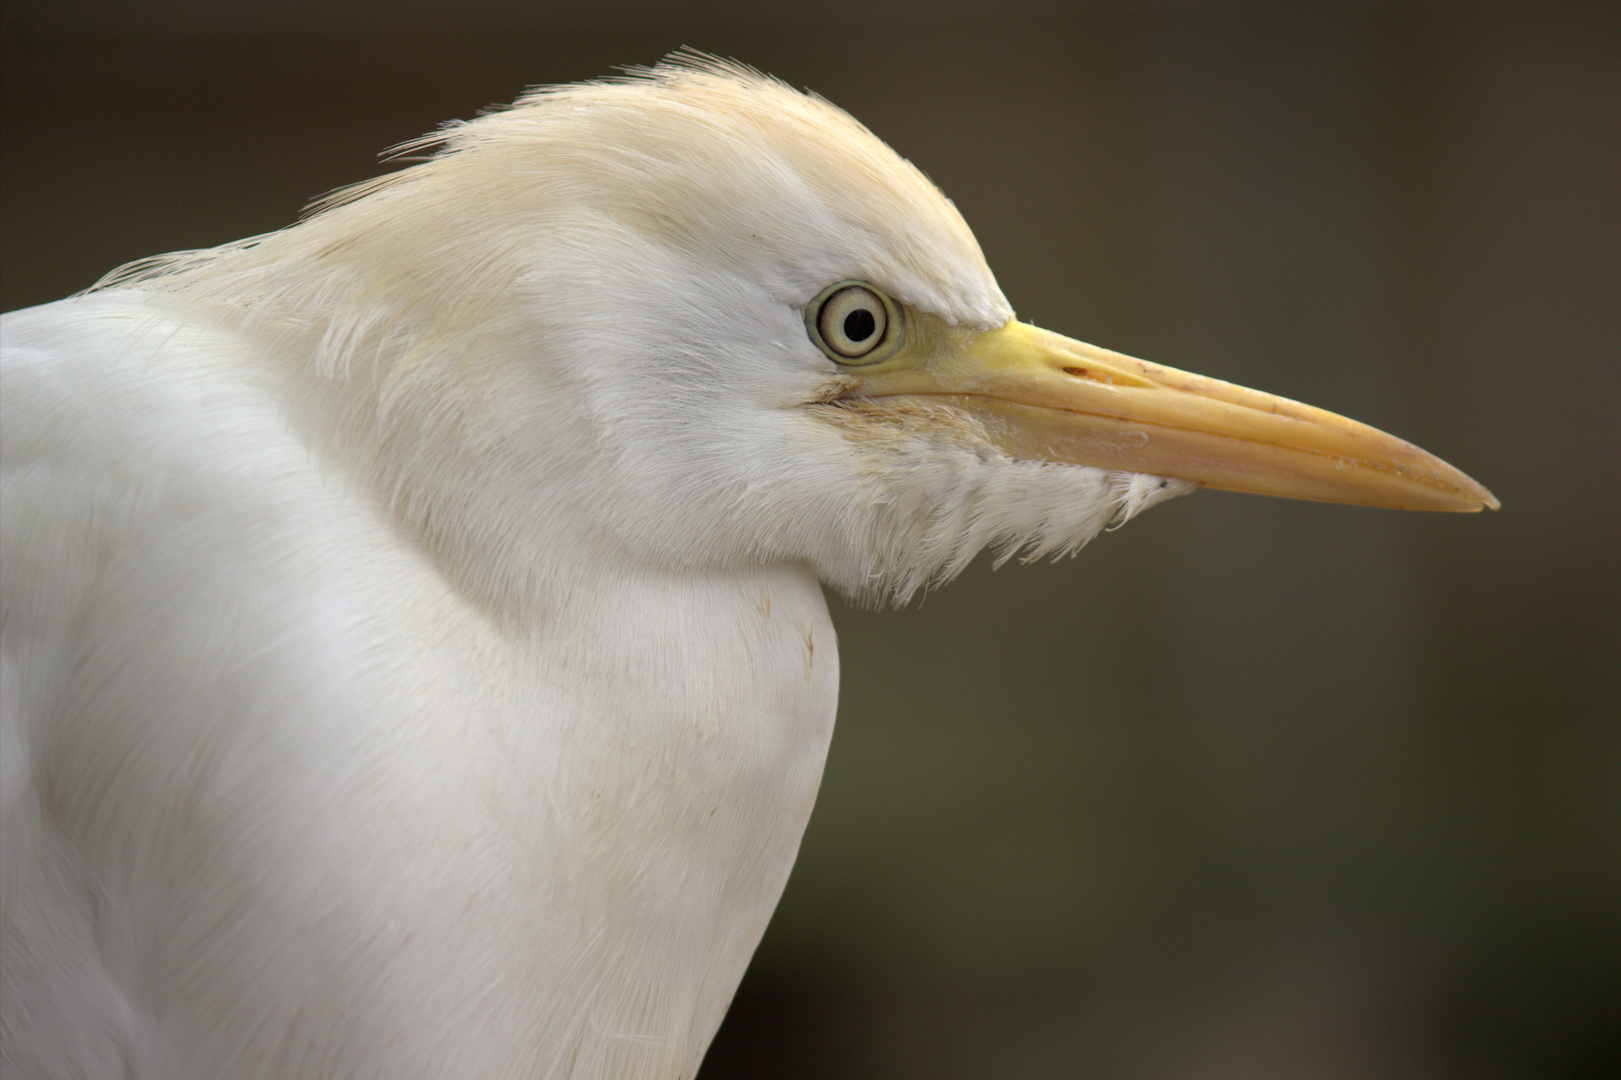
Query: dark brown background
[1251,789]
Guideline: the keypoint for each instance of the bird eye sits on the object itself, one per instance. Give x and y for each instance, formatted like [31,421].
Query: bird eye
[853,322]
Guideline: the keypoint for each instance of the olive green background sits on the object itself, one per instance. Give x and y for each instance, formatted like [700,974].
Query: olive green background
[1250,789]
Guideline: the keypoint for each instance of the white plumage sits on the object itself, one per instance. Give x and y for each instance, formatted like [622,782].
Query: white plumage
[414,658]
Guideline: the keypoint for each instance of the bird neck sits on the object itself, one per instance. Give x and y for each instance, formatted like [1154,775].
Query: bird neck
[467,462]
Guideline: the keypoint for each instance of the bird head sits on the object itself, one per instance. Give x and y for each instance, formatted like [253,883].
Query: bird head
[704,319]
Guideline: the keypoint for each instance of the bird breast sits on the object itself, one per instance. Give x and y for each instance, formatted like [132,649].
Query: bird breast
[329,800]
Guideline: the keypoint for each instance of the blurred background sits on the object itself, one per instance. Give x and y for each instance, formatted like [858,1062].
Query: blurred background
[1250,789]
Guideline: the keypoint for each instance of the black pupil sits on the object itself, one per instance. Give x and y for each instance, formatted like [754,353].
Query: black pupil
[859,325]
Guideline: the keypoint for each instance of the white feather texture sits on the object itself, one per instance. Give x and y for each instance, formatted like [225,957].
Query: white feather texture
[414,658]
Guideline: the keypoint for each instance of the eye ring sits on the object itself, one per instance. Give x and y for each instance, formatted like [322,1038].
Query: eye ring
[854,323]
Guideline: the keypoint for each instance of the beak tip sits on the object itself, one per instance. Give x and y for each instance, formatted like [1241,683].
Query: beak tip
[1475,491]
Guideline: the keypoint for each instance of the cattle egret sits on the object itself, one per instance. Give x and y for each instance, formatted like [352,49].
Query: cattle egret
[414,658]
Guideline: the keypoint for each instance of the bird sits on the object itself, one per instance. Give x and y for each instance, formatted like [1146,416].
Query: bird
[416,661]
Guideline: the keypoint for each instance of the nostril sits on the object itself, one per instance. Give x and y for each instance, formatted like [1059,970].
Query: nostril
[1087,373]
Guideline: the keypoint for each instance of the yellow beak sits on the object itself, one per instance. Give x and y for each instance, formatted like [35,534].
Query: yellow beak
[1042,396]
